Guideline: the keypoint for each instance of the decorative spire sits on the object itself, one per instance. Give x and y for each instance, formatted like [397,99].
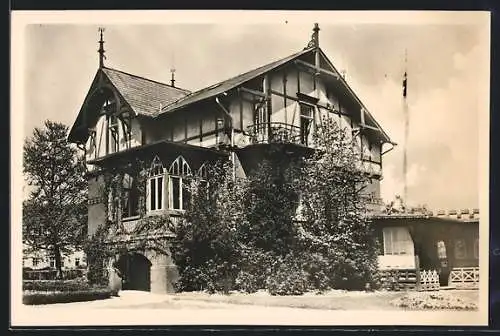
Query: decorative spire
[101,49]
[314,42]
[172,80]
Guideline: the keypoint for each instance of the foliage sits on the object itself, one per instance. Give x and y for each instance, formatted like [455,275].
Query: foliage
[54,215]
[334,223]
[51,274]
[271,203]
[288,277]
[97,250]
[434,300]
[255,267]
[56,285]
[205,247]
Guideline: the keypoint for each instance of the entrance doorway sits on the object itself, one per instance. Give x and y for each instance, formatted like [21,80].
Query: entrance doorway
[136,272]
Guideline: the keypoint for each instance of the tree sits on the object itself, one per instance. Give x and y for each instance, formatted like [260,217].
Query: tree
[205,248]
[335,226]
[55,213]
[271,203]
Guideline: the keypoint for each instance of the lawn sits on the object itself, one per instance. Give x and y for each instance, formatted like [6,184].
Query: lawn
[344,300]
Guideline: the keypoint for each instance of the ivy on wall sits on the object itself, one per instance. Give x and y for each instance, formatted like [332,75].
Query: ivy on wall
[111,239]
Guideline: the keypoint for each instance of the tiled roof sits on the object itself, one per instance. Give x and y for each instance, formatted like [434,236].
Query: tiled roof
[144,96]
[229,84]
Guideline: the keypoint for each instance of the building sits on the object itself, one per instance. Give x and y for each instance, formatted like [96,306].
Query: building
[142,138]
[40,260]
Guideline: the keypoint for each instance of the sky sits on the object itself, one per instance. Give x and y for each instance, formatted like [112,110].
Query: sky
[447,65]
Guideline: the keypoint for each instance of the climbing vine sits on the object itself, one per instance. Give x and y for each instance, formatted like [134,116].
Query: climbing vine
[111,239]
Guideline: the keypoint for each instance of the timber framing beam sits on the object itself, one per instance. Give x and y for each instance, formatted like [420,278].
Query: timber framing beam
[253,92]
[315,69]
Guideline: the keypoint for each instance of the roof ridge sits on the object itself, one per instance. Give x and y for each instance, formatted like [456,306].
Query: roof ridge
[212,86]
[148,79]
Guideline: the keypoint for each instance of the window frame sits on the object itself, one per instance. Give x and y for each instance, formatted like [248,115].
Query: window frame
[127,194]
[398,247]
[179,171]
[157,176]
[304,137]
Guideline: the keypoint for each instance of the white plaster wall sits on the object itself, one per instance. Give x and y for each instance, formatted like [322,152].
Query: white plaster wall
[386,262]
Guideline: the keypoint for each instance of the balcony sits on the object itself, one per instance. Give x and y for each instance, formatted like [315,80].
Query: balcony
[278,132]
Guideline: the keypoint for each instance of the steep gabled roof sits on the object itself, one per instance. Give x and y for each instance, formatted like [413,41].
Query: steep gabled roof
[144,96]
[230,83]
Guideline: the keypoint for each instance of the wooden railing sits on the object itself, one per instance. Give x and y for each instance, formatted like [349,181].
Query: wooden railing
[275,132]
[464,277]
[429,280]
[401,279]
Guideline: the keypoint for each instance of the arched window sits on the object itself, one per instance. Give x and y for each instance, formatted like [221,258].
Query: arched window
[155,186]
[203,171]
[130,199]
[179,194]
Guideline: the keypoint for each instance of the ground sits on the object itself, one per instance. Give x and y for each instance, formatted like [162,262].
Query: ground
[260,308]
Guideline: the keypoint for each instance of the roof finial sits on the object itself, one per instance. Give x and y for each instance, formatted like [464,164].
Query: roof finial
[172,80]
[101,49]
[314,42]
[316,35]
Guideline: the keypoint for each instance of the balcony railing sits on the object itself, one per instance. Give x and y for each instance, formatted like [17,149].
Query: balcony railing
[277,132]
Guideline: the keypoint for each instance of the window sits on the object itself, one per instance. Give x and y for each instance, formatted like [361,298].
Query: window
[476,248]
[460,249]
[52,262]
[114,136]
[77,262]
[397,241]
[155,185]
[203,175]
[441,249]
[130,199]
[35,261]
[306,120]
[179,195]
[111,132]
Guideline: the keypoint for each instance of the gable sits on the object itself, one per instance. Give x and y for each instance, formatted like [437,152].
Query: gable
[139,95]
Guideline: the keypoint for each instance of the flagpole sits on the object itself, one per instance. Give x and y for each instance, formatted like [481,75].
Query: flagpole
[406,130]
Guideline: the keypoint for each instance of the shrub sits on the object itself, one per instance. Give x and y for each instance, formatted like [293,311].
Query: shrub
[247,282]
[287,278]
[55,285]
[37,298]
[50,274]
